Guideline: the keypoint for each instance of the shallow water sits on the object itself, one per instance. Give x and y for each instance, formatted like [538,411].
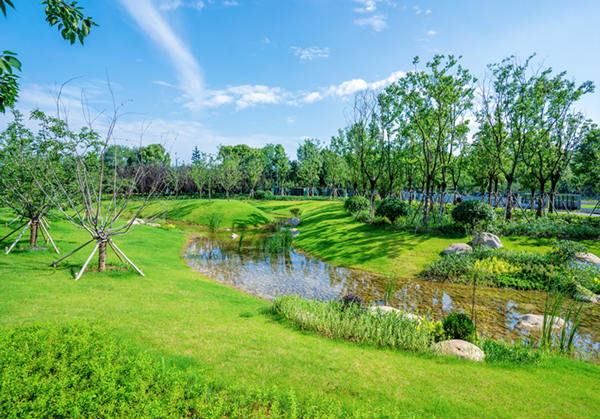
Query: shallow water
[268,275]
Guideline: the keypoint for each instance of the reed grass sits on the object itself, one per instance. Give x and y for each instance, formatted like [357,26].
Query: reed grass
[355,324]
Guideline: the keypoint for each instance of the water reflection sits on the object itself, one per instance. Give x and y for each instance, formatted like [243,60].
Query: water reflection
[266,275]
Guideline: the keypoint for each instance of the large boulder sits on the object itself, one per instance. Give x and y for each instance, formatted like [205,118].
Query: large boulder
[386,309]
[487,239]
[295,233]
[536,321]
[585,295]
[459,348]
[294,221]
[458,248]
[153,224]
[588,257]
[137,221]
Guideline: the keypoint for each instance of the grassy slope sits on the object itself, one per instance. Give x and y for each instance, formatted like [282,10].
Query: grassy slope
[198,211]
[177,313]
[328,233]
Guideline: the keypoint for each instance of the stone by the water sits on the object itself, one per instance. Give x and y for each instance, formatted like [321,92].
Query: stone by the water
[487,239]
[234,236]
[137,221]
[295,233]
[153,224]
[588,257]
[458,248]
[460,348]
[294,221]
[536,321]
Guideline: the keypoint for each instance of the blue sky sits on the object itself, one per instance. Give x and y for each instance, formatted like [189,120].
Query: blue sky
[203,73]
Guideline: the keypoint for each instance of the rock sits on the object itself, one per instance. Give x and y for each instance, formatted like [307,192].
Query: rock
[228,229]
[585,295]
[460,348]
[458,248]
[137,221]
[293,229]
[153,224]
[295,233]
[294,221]
[487,239]
[234,236]
[386,309]
[588,257]
[536,321]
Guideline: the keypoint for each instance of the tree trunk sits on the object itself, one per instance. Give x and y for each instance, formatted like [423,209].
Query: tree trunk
[490,190]
[33,234]
[426,203]
[532,200]
[227,192]
[553,185]
[509,183]
[540,208]
[102,256]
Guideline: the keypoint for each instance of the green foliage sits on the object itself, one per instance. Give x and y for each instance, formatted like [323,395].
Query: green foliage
[296,212]
[354,323]
[564,251]
[560,226]
[458,326]
[264,195]
[215,221]
[519,352]
[392,208]
[356,204]
[280,241]
[473,213]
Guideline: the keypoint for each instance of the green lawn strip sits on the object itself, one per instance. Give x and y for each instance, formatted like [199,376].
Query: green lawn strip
[328,233]
[199,211]
[193,321]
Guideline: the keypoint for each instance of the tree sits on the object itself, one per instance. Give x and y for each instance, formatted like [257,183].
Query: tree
[196,155]
[435,105]
[309,163]
[254,165]
[335,169]
[586,163]
[154,155]
[72,26]
[230,174]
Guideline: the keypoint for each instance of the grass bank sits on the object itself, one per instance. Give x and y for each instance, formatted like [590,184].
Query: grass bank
[191,321]
[330,234]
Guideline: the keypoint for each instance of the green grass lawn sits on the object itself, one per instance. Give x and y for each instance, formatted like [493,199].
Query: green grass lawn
[176,313]
[199,211]
[330,234]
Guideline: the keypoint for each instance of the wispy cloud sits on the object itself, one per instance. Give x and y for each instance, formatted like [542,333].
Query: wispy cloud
[311,53]
[377,22]
[417,10]
[189,74]
[230,3]
[431,33]
[368,6]
[176,4]
[428,11]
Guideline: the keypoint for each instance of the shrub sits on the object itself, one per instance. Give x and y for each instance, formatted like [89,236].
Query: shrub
[458,326]
[564,251]
[350,300]
[356,204]
[473,213]
[363,216]
[518,352]
[392,208]
[263,195]
[296,212]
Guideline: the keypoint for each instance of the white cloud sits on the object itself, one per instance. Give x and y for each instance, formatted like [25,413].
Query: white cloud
[290,119]
[230,3]
[377,22]
[176,4]
[155,27]
[431,33]
[266,41]
[310,53]
[428,11]
[417,10]
[369,6]
[250,96]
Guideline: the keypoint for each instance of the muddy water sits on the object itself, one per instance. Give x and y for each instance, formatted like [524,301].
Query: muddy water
[267,276]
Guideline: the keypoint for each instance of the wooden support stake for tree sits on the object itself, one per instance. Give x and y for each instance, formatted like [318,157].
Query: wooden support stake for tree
[126,258]
[49,238]
[67,255]
[43,235]
[18,238]
[8,224]
[87,261]
[524,212]
[12,232]
[114,250]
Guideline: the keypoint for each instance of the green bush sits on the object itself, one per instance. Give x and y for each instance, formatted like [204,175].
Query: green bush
[263,195]
[392,208]
[473,213]
[356,204]
[517,353]
[296,212]
[564,251]
[458,326]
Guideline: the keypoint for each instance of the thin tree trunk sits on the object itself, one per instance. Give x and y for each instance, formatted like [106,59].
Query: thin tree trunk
[102,256]
[540,209]
[33,234]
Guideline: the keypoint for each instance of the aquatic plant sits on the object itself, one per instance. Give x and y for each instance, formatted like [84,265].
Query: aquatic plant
[392,330]
[215,221]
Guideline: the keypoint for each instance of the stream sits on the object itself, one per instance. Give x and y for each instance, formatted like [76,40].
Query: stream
[250,269]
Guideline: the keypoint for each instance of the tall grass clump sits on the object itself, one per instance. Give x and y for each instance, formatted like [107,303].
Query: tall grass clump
[354,323]
[280,241]
[78,370]
[215,221]
[561,339]
[520,352]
